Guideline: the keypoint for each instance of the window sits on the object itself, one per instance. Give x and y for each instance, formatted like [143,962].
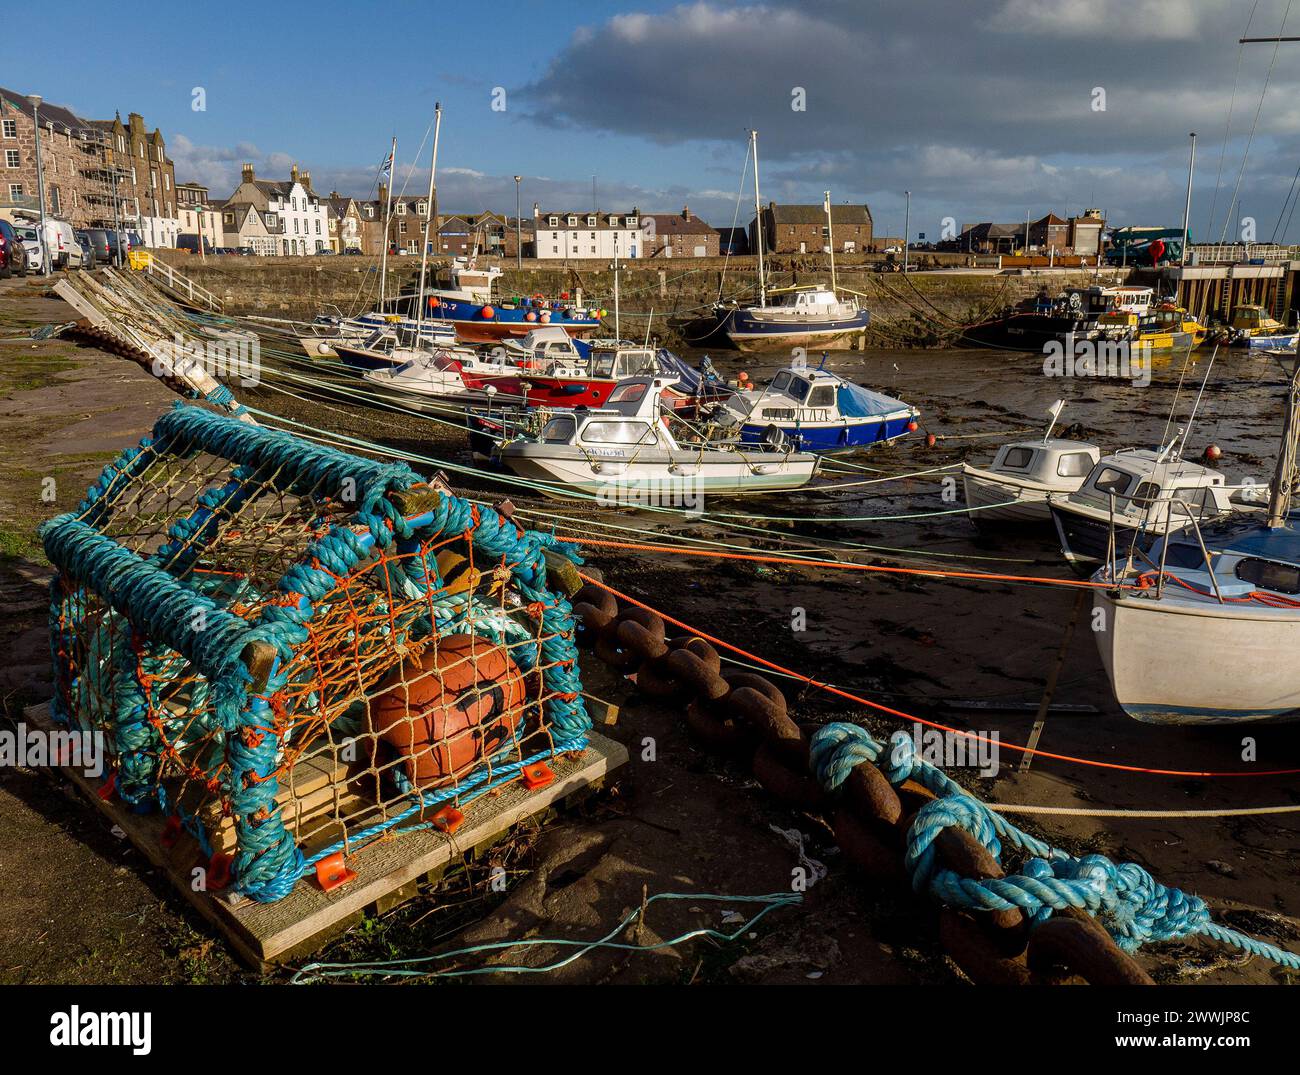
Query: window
[617,433]
[12,158]
[591,221]
[554,221]
[782,382]
[799,389]
[573,221]
[627,393]
[593,249]
[558,431]
[1017,458]
[1270,575]
[1074,465]
[15,190]
[11,128]
[613,222]
[1114,481]
[822,396]
[555,249]
[631,222]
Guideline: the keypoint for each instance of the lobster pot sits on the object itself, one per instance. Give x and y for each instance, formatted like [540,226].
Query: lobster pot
[291,651]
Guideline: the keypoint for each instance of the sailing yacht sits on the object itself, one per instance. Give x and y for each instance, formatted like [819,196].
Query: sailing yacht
[806,315]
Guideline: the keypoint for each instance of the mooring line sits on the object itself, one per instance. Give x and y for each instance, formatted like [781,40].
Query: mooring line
[899,714]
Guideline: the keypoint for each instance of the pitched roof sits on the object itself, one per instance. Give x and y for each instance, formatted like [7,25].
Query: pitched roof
[816,214]
[676,224]
[46,112]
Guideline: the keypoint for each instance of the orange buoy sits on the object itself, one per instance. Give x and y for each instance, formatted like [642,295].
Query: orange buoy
[931,440]
[488,313]
[1213,452]
[912,427]
[447,709]
[546,316]
[530,316]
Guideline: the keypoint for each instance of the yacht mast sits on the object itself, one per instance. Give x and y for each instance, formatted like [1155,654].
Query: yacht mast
[1287,454]
[758,223]
[388,214]
[428,219]
[830,237]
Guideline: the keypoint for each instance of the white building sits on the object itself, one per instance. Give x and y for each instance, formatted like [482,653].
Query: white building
[290,209]
[589,235]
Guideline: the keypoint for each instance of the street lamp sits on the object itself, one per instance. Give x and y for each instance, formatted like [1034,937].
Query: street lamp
[519,249]
[34,99]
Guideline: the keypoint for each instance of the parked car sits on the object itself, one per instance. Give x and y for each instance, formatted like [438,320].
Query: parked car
[190,243]
[323,251]
[31,240]
[245,251]
[105,242]
[13,255]
[88,259]
[134,242]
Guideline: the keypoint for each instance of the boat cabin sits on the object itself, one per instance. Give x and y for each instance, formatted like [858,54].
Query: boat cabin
[1146,484]
[1058,463]
[1254,320]
[618,363]
[629,419]
[542,345]
[809,300]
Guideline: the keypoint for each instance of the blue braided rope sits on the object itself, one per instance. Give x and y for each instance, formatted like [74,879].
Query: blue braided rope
[1134,908]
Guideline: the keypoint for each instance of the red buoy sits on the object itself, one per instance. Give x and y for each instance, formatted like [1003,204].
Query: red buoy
[488,313]
[1213,452]
[931,440]
[912,427]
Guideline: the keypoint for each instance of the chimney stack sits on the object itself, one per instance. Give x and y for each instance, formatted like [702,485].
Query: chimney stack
[686,212]
[293,173]
[383,193]
[248,172]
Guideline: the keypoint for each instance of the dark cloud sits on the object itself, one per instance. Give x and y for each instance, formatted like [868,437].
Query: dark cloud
[980,108]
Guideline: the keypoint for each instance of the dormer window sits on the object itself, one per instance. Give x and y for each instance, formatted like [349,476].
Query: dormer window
[555,221]
[591,221]
[613,222]
[573,221]
[631,222]
[401,208]
[422,208]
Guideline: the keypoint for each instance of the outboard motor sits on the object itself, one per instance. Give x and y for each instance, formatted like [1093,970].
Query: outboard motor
[776,439]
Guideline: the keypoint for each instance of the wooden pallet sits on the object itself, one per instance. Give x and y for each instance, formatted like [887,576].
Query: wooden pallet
[387,870]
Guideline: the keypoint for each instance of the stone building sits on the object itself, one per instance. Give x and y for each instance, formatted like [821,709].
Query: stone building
[679,235]
[801,229]
[147,177]
[80,179]
[197,215]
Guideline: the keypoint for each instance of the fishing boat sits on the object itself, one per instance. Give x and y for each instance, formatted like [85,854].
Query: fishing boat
[1016,486]
[327,331]
[1135,496]
[625,451]
[1251,327]
[1037,321]
[570,381]
[819,411]
[1166,327]
[465,302]
[1209,600]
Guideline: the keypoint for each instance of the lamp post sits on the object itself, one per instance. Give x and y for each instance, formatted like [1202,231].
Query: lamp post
[907,226]
[519,249]
[34,99]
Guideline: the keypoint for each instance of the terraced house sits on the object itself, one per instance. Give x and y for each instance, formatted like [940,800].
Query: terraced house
[291,217]
[98,173]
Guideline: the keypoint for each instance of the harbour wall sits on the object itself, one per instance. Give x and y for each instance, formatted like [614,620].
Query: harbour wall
[918,309]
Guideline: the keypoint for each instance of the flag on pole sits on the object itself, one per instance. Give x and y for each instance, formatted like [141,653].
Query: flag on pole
[386,169]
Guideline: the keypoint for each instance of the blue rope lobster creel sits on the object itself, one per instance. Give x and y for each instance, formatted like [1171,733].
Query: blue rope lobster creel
[1134,908]
[158,599]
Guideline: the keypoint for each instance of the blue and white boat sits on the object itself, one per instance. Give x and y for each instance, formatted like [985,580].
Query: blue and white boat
[819,411]
[1203,628]
[807,315]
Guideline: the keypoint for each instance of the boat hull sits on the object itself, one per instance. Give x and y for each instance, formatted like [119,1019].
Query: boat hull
[1165,660]
[1014,504]
[1085,540]
[655,476]
[472,327]
[1025,331]
[841,436]
[750,333]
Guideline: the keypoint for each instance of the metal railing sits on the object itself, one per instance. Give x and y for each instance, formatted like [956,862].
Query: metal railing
[181,285]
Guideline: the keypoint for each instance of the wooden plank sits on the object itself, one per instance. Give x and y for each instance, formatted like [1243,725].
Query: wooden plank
[294,926]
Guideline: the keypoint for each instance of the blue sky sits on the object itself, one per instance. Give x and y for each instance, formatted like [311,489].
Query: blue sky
[984,110]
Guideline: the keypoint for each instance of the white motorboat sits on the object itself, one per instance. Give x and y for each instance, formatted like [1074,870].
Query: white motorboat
[1131,498]
[626,453]
[1016,486]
